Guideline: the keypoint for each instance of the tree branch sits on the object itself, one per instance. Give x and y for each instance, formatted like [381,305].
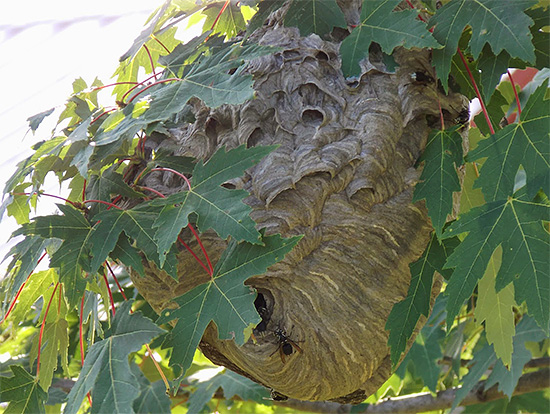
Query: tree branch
[530,382]
[533,381]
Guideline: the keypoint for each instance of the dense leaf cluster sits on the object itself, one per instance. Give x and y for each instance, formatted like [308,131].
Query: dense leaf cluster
[494,256]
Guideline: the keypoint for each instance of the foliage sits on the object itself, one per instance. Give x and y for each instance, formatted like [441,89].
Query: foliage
[57,323]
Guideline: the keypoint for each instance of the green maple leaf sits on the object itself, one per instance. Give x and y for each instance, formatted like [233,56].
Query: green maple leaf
[480,364]
[128,70]
[36,120]
[229,23]
[379,24]
[106,368]
[492,67]
[216,207]
[27,166]
[73,256]
[121,125]
[25,255]
[55,342]
[527,331]
[224,299]
[405,314]
[426,350]
[232,384]
[152,396]
[216,79]
[503,25]
[106,183]
[471,197]
[496,310]
[314,16]
[515,224]
[265,8]
[23,392]
[137,223]
[526,143]
[439,179]
[36,286]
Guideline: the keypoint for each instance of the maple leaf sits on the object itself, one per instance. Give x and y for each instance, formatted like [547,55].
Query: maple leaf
[426,350]
[23,392]
[515,224]
[314,16]
[503,25]
[496,310]
[73,256]
[379,24]
[106,368]
[526,330]
[218,208]
[35,287]
[128,70]
[216,79]
[25,255]
[526,143]
[55,342]
[232,384]
[106,183]
[471,197]
[36,120]
[229,23]
[439,179]
[224,299]
[152,396]
[136,223]
[405,314]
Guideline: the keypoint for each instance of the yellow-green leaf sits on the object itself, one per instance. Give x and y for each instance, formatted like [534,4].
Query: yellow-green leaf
[495,308]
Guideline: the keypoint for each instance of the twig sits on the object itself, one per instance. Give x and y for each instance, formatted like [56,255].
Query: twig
[533,381]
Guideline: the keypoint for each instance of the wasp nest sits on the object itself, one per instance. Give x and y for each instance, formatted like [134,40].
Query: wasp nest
[343,177]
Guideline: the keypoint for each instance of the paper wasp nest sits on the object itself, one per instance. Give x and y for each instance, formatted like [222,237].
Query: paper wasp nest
[343,177]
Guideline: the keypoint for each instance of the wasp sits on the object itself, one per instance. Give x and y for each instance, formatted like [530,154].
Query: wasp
[286,346]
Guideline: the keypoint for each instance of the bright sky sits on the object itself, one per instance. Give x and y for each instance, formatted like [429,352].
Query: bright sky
[44,47]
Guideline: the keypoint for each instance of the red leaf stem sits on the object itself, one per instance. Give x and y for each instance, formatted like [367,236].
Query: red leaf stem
[174,172]
[81,339]
[137,86]
[84,190]
[150,86]
[211,272]
[97,88]
[142,141]
[110,294]
[160,43]
[75,205]
[42,330]
[474,84]
[116,280]
[116,200]
[102,202]
[194,255]
[103,114]
[21,289]
[210,269]
[150,60]
[153,191]
[515,91]
[220,14]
